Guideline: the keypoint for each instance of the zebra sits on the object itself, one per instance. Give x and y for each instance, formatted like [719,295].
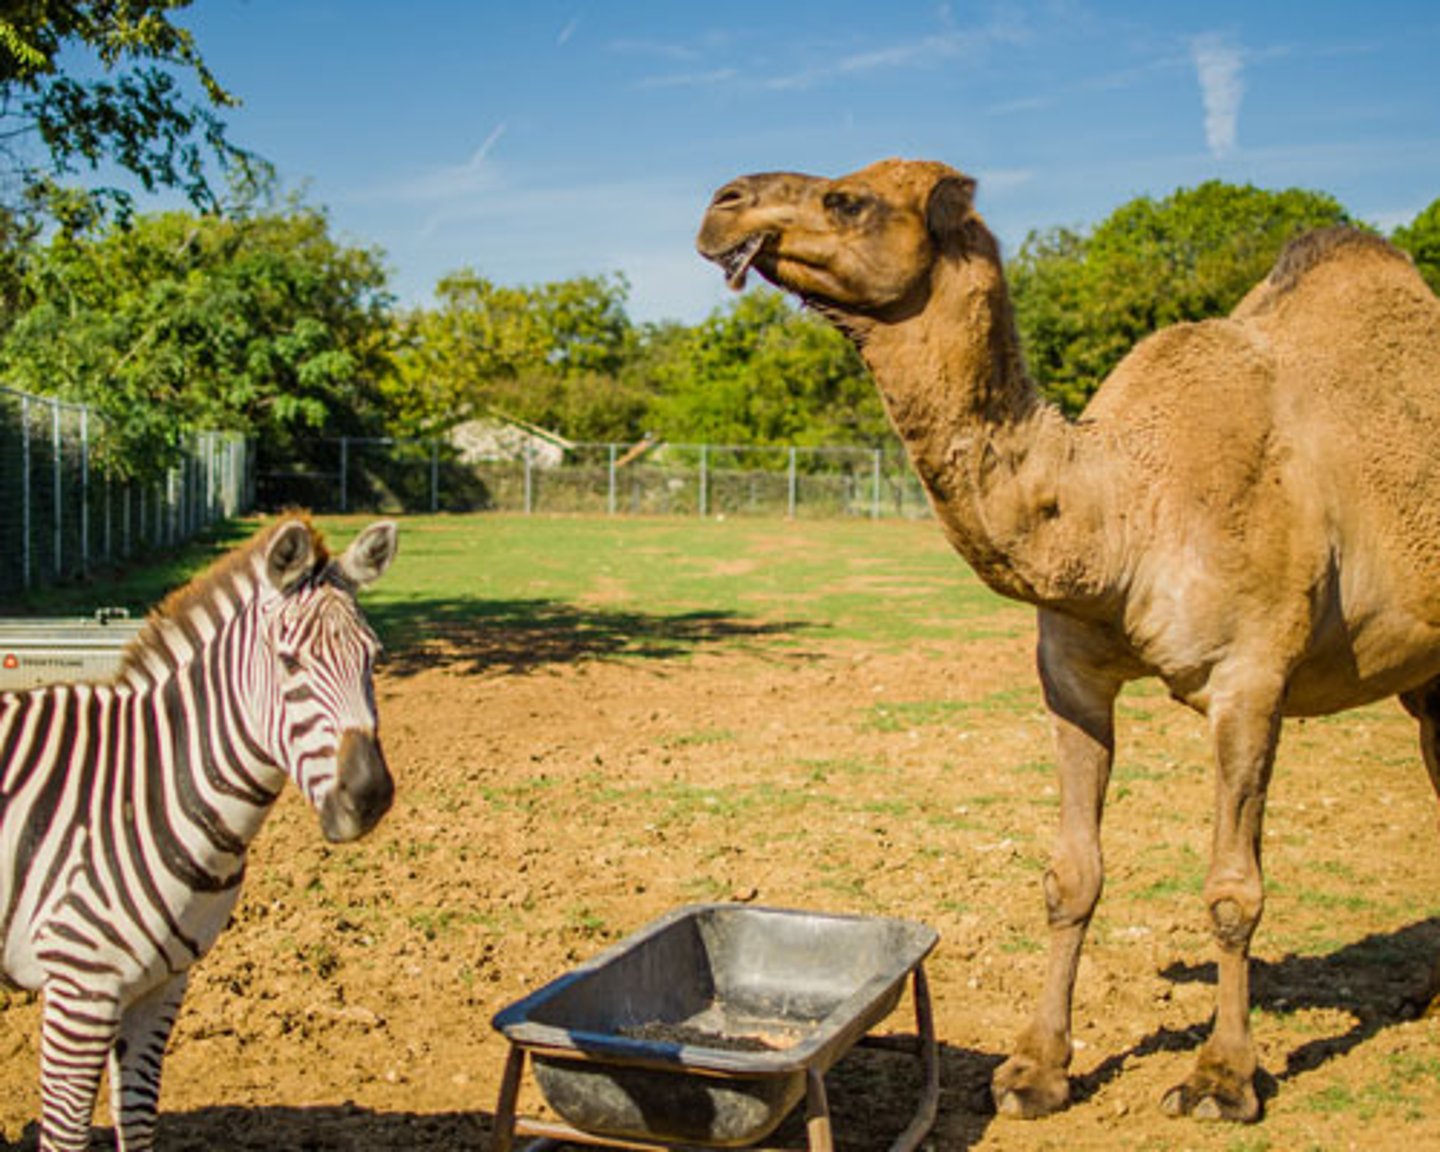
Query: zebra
[126,807]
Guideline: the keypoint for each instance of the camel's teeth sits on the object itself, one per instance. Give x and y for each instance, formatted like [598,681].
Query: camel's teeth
[738,260]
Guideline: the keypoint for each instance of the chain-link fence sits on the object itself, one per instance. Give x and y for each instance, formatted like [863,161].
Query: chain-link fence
[61,514]
[376,475]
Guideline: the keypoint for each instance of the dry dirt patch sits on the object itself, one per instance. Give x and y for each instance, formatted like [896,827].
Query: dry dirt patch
[549,806]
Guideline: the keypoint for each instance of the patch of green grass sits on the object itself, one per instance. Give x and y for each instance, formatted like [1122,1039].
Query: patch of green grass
[903,715]
[882,582]
[1181,873]
[819,771]
[1367,1101]
[586,921]
[1334,901]
[701,738]
[433,923]
[1250,1142]
[503,590]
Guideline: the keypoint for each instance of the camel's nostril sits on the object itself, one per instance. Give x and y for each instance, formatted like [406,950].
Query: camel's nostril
[731,196]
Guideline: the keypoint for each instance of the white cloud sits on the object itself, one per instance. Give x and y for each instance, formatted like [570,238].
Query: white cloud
[689,79]
[1218,65]
[1002,180]
[447,183]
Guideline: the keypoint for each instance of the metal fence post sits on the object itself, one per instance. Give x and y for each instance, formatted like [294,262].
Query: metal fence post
[344,472]
[875,485]
[25,485]
[610,494]
[85,491]
[434,476]
[529,481]
[704,480]
[57,560]
[790,494]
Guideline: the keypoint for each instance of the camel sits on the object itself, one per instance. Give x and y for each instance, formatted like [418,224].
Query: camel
[1248,509]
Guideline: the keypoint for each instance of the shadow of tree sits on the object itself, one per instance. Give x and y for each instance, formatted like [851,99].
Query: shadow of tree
[517,636]
[1382,980]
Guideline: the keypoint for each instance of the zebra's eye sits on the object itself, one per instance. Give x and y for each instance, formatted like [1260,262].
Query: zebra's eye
[290,662]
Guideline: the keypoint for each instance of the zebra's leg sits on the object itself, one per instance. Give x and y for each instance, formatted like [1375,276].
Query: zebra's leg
[78,1027]
[135,1063]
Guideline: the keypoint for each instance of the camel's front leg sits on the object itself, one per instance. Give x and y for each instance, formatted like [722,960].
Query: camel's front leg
[1035,1080]
[1245,728]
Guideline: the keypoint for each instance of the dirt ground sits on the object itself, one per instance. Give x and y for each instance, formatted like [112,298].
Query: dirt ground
[552,801]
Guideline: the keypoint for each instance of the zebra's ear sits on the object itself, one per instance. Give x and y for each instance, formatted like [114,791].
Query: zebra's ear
[291,554]
[370,553]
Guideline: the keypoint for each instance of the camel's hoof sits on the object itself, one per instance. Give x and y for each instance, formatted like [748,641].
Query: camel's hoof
[1025,1090]
[1212,1101]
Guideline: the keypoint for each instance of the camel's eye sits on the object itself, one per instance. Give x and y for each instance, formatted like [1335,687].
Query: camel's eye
[845,206]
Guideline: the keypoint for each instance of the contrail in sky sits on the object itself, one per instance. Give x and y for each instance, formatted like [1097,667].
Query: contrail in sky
[484,149]
[1218,65]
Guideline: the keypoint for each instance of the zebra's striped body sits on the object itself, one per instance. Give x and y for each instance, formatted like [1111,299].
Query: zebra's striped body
[126,808]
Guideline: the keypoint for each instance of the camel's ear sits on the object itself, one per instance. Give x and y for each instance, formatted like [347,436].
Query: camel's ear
[949,205]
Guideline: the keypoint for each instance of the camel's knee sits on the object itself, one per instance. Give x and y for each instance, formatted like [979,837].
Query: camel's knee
[1235,911]
[1072,889]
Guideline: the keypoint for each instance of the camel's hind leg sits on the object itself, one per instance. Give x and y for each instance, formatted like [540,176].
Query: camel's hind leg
[1424,704]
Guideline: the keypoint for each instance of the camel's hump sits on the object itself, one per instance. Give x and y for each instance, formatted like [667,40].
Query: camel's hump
[1314,248]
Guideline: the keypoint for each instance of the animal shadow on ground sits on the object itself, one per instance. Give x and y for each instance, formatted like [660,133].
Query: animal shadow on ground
[517,636]
[1382,980]
[872,1097]
[326,1128]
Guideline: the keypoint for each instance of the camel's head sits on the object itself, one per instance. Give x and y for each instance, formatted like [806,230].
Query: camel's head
[859,244]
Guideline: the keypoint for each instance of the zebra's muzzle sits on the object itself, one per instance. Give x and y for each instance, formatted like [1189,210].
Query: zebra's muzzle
[363,789]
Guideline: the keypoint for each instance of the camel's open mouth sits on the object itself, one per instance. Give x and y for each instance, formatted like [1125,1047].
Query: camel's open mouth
[736,261]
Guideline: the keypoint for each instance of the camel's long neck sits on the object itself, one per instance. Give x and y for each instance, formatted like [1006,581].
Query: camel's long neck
[998,462]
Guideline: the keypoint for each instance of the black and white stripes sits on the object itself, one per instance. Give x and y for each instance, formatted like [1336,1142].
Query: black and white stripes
[126,808]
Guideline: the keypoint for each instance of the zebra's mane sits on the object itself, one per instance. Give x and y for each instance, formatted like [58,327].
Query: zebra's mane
[229,582]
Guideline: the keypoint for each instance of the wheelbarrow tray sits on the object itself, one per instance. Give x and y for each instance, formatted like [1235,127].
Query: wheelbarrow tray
[702,1027]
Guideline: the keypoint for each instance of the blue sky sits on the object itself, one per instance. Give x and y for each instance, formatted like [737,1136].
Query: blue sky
[534,140]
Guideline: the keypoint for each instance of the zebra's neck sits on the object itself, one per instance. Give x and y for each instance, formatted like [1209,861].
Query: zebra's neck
[202,695]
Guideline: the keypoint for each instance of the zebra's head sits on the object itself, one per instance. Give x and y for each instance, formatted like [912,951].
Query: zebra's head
[324,724]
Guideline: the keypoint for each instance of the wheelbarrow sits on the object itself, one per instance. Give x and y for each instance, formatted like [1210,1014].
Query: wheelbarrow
[707,1027]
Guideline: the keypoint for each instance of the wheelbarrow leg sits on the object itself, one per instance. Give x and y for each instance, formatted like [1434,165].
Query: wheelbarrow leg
[817,1113]
[929,1105]
[503,1133]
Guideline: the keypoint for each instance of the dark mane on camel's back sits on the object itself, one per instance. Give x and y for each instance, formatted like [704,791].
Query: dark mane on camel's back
[220,576]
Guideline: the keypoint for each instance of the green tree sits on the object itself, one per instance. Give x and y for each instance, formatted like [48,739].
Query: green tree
[551,354]
[1421,238]
[85,83]
[260,322]
[1082,300]
[761,372]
